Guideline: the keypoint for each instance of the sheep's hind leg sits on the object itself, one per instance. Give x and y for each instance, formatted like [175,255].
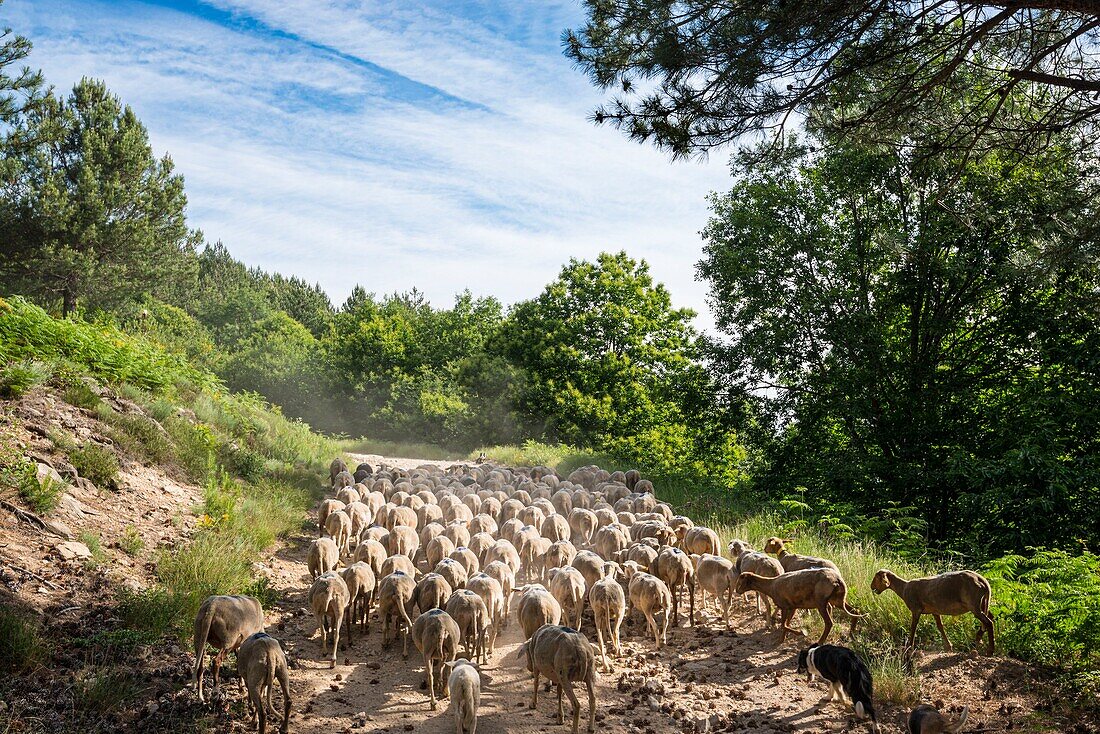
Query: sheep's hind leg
[943,633]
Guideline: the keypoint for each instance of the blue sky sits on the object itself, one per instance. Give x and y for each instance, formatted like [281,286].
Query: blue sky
[441,145]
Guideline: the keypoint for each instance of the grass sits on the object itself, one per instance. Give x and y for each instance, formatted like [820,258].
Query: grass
[22,647]
[240,520]
[531,453]
[21,376]
[80,394]
[95,545]
[42,495]
[130,542]
[95,462]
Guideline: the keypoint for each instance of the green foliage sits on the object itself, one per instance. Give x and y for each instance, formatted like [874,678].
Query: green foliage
[917,339]
[22,646]
[20,377]
[138,434]
[95,462]
[95,545]
[101,688]
[80,394]
[92,215]
[1048,610]
[130,541]
[98,350]
[42,495]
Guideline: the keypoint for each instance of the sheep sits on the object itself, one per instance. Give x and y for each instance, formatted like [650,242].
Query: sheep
[260,661]
[343,479]
[583,523]
[338,527]
[322,556]
[467,558]
[335,468]
[642,554]
[555,528]
[760,564]
[348,495]
[328,598]
[715,574]
[590,565]
[435,635]
[439,548]
[812,588]
[608,602]
[453,571]
[401,540]
[458,533]
[432,591]
[326,508]
[675,568]
[559,554]
[502,572]
[563,655]
[611,539]
[793,561]
[537,607]
[952,593]
[505,552]
[360,516]
[373,554]
[527,540]
[465,685]
[492,593]
[395,593]
[925,719]
[398,563]
[360,579]
[469,611]
[225,622]
[402,517]
[699,540]
[483,524]
[568,587]
[650,596]
[480,543]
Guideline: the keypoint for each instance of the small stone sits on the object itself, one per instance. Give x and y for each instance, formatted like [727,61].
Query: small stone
[333,686]
[71,549]
[339,677]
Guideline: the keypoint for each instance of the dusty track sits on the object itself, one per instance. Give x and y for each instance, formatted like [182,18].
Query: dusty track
[707,679]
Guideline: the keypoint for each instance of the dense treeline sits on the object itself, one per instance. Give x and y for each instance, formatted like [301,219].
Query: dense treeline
[908,342]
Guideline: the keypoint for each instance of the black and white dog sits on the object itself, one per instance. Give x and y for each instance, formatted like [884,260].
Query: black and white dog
[847,675]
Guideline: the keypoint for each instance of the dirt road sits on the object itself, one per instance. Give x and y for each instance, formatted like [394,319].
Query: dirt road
[707,679]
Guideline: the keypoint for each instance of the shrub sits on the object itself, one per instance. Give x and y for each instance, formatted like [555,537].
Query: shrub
[130,542]
[21,646]
[97,463]
[19,377]
[80,394]
[42,495]
[1047,610]
[99,556]
[138,434]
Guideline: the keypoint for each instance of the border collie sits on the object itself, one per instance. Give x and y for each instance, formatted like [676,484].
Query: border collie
[847,675]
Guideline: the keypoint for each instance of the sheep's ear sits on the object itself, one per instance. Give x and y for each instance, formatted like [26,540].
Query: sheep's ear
[449,663]
[522,652]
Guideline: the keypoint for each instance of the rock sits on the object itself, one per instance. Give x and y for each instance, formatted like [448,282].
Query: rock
[59,529]
[46,473]
[72,549]
[70,505]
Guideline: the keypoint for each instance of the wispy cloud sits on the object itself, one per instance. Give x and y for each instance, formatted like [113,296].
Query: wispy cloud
[438,145]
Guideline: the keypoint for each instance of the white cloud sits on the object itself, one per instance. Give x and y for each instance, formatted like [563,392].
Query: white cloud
[306,161]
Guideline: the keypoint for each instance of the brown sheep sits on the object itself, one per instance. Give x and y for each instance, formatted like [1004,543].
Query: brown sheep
[261,661]
[225,622]
[812,588]
[563,655]
[952,593]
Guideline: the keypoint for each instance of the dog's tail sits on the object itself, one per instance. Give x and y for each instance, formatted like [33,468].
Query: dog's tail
[860,689]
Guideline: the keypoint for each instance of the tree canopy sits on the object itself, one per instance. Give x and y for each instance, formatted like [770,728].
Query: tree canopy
[692,75]
[88,212]
[919,341]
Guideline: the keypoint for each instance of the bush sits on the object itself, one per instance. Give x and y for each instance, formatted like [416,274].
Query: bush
[131,542]
[97,463]
[43,496]
[21,646]
[17,378]
[140,435]
[1047,610]
[99,556]
[80,394]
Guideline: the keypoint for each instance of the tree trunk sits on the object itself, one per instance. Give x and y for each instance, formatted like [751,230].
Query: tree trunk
[68,302]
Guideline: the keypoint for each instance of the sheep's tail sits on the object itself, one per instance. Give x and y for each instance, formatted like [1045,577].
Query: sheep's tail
[202,632]
[405,615]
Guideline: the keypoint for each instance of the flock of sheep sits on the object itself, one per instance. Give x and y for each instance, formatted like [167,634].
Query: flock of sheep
[458,544]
